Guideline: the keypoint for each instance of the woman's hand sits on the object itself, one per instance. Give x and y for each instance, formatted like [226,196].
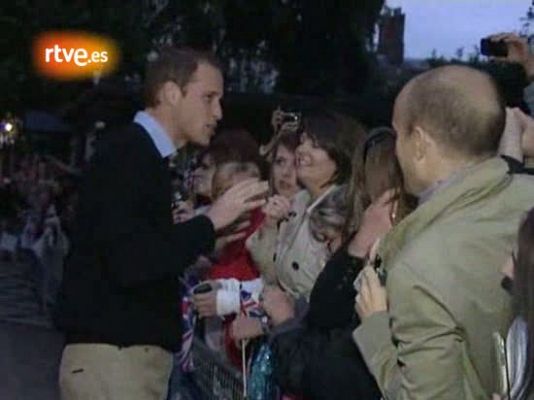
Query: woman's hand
[276,119]
[278,305]
[372,297]
[377,221]
[276,209]
[206,303]
[245,328]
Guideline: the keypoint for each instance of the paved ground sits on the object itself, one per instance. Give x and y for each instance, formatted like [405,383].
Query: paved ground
[29,347]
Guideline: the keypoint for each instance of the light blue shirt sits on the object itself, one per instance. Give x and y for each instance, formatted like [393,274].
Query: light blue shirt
[157,133]
[457,176]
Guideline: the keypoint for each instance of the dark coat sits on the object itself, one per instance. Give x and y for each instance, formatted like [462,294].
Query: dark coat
[318,359]
[121,281]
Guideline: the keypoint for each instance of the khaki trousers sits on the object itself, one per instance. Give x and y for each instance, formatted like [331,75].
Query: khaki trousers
[107,372]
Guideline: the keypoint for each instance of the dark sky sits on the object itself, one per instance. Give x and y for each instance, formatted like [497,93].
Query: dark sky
[446,25]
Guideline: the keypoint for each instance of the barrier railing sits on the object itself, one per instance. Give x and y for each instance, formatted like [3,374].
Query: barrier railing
[215,377]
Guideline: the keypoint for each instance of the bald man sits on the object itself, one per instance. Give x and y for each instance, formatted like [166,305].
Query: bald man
[442,262]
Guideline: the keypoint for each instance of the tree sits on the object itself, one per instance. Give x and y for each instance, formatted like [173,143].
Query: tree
[317,46]
[314,46]
[327,50]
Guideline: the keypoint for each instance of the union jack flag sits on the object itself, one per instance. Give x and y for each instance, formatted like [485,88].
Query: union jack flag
[189,320]
[250,304]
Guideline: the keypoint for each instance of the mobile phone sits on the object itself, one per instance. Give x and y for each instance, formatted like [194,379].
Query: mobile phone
[492,48]
[375,263]
[202,288]
[381,272]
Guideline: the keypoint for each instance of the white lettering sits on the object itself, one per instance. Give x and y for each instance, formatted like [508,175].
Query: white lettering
[68,54]
[80,57]
[95,57]
[57,53]
[47,54]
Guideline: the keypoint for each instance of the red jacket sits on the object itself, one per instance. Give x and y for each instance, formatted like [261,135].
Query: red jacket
[234,261]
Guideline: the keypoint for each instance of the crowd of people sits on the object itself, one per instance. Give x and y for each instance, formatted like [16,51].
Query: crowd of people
[379,260]
[38,199]
[334,262]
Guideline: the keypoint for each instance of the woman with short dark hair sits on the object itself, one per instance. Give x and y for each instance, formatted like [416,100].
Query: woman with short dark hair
[283,247]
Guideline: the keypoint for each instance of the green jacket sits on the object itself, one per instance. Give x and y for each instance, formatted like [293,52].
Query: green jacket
[443,283]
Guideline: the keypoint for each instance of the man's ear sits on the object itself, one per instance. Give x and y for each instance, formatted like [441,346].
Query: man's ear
[170,93]
[423,142]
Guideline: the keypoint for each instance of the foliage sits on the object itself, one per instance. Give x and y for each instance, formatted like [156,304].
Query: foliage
[317,46]
[21,22]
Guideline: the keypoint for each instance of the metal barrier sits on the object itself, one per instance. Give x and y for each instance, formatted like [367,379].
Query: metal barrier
[215,377]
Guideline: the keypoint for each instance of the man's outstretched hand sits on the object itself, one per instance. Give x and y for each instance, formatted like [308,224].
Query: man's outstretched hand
[239,199]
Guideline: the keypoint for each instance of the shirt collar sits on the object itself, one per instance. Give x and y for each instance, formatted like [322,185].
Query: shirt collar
[426,194]
[157,133]
[429,192]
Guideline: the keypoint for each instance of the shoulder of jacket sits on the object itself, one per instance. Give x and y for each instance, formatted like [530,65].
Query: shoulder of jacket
[127,140]
[424,254]
[523,183]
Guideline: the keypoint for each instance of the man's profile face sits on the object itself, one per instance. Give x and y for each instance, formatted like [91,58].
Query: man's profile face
[200,108]
[405,148]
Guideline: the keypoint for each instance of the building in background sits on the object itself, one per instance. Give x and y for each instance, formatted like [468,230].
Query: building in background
[391,35]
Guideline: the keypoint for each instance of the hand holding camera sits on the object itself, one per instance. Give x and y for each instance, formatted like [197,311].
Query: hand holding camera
[511,48]
[285,120]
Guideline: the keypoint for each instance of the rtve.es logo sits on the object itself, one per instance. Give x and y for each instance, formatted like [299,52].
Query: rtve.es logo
[72,55]
[79,56]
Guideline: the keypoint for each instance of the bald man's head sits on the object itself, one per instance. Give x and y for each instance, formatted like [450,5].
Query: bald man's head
[459,107]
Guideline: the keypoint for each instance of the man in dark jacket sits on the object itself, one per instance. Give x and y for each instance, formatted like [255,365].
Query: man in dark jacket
[119,304]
